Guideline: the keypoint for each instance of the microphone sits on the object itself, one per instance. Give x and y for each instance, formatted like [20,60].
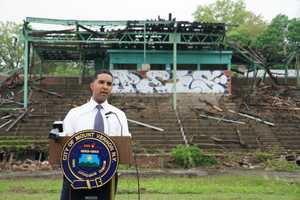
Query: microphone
[113,113]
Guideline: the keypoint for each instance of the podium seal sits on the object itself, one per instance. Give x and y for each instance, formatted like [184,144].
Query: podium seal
[89,159]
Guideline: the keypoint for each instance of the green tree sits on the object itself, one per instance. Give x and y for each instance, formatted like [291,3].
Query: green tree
[275,34]
[293,34]
[11,51]
[245,25]
[276,41]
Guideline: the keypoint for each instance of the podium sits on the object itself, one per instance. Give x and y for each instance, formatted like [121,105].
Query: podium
[63,152]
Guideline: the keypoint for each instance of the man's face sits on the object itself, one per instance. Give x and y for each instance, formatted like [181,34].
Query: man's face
[101,87]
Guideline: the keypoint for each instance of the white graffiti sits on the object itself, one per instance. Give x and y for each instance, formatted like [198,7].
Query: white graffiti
[162,81]
[275,73]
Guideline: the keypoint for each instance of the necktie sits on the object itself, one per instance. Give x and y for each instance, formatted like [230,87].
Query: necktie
[99,123]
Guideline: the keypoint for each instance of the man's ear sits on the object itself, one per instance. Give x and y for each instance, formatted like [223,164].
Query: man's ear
[92,86]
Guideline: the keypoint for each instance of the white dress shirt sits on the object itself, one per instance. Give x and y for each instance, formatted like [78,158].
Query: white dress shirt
[83,117]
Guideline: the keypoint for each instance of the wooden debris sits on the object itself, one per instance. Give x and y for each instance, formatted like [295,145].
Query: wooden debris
[213,106]
[11,158]
[146,125]
[9,101]
[10,79]
[17,120]
[219,140]
[282,108]
[210,145]
[6,116]
[206,111]
[4,124]
[221,119]
[47,91]
[181,129]
[241,141]
[138,107]
[258,141]
[31,165]
[251,117]
[38,115]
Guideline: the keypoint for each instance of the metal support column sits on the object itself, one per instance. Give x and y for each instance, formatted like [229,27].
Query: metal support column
[168,67]
[286,71]
[286,66]
[41,69]
[198,66]
[144,43]
[25,78]
[81,75]
[254,76]
[297,67]
[229,66]
[174,71]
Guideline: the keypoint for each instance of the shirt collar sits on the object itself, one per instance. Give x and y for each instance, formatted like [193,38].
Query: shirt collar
[93,104]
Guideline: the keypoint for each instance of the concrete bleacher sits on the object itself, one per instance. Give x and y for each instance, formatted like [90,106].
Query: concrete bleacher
[156,110]
[45,109]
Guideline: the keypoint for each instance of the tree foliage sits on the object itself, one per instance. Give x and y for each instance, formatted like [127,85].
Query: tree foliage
[11,50]
[275,34]
[222,11]
[245,25]
[280,38]
[293,34]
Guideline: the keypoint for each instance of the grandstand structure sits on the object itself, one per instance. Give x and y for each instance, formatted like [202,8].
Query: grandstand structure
[136,45]
[152,61]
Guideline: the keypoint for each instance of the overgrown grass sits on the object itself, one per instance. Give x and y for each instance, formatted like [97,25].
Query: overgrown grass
[168,188]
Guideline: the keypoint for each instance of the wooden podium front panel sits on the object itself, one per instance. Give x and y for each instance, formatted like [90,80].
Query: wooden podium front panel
[55,149]
[123,144]
[124,147]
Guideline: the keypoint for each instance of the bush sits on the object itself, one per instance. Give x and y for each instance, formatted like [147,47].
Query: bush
[281,165]
[191,156]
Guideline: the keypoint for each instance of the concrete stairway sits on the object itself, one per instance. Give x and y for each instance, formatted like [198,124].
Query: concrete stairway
[155,110]
[213,134]
[45,109]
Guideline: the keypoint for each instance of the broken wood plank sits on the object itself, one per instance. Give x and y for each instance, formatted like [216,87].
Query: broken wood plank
[16,121]
[7,116]
[221,119]
[239,135]
[219,140]
[146,125]
[206,111]
[8,101]
[282,108]
[47,91]
[4,124]
[181,129]
[251,117]
[212,105]
[204,145]
[38,115]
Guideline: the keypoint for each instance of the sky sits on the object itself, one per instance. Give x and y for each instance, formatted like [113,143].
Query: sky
[18,10]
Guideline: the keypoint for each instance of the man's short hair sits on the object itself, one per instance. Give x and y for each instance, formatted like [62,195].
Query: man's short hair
[103,71]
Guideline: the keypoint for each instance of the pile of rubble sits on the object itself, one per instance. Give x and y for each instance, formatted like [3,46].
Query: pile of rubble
[259,105]
[26,165]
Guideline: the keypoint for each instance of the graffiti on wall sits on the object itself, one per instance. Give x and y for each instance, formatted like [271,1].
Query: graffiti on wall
[275,73]
[162,81]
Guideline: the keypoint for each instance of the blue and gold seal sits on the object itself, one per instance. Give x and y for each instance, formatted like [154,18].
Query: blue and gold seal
[89,159]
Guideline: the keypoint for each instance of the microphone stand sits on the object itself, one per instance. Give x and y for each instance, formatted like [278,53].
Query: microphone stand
[109,113]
